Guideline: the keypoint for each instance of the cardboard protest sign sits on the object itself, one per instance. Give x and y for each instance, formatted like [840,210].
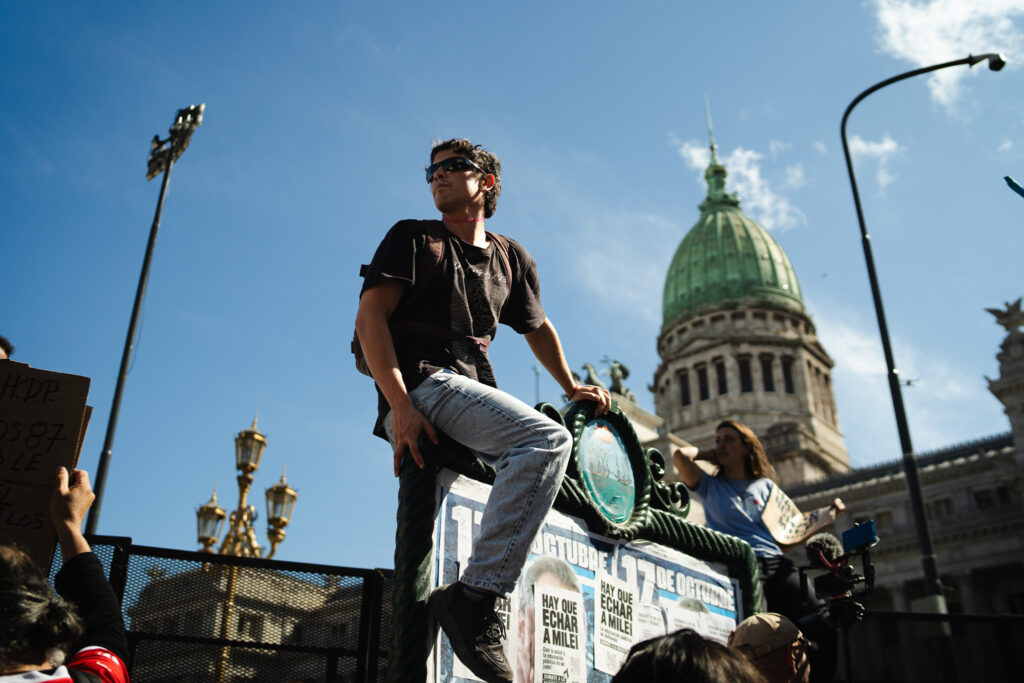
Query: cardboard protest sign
[43,418]
[789,526]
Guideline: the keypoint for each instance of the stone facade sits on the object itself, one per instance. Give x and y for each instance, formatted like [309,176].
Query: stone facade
[974,502]
[270,607]
[973,493]
[737,344]
[760,366]
[973,497]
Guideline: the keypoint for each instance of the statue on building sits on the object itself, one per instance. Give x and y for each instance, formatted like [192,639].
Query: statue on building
[619,372]
[591,377]
[1012,318]
[1009,386]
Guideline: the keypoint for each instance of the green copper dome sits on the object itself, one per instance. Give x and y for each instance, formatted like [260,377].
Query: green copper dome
[726,256]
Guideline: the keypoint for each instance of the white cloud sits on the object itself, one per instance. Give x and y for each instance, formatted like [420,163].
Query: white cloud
[882,151]
[760,201]
[795,176]
[941,400]
[926,33]
[629,278]
[693,153]
[775,147]
[1006,145]
[820,147]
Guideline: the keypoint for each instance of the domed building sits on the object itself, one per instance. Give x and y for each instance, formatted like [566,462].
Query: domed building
[736,343]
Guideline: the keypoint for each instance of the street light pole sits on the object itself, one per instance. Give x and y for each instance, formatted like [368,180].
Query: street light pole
[1014,185]
[161,159]
[932,585]
[240,539]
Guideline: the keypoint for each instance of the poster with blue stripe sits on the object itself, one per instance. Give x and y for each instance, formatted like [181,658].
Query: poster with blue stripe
[627,591]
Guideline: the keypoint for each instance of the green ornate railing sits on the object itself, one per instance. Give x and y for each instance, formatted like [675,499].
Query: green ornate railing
[659,516]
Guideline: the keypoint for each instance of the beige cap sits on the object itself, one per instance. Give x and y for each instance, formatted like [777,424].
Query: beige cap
[762,633]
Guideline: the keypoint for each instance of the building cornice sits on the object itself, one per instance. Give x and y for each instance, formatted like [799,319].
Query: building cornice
[934,466]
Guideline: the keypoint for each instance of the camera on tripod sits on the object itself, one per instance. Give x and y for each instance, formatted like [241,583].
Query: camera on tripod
[837,583]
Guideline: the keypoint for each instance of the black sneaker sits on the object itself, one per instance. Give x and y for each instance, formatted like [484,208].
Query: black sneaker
[476,633]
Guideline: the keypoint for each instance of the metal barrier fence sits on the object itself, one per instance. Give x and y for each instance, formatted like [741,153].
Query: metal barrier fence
[199,617]
[905,647]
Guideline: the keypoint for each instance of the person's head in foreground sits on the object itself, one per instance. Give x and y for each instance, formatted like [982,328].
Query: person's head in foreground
[36,626]
[774,645]
[6,347]
[685,655]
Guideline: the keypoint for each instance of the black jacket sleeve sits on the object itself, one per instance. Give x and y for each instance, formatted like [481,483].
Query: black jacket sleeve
[81,581]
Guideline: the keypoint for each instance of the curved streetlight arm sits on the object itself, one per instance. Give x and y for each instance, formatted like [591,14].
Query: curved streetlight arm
[932,583]
[995,63]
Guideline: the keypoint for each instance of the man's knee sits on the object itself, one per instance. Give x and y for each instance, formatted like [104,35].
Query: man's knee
[560,441]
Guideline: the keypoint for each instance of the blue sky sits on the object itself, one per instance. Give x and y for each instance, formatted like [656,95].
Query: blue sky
[319,119]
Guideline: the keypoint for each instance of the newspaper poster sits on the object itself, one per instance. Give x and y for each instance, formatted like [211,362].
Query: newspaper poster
[560,635]
[678,583]
[456,527]
[787,524]
[615,620]
[565,559]
[650,621]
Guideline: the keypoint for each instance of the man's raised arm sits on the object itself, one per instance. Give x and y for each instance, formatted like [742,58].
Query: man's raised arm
[547,348]
[375,308]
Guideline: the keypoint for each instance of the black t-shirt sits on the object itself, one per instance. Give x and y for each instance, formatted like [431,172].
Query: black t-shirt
[467,292]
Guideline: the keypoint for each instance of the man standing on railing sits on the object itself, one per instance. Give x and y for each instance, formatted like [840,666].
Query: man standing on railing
[430,305]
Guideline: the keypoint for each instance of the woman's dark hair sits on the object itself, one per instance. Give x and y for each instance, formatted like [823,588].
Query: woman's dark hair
[36,625]
[758,465]
[482,158]
[685,655]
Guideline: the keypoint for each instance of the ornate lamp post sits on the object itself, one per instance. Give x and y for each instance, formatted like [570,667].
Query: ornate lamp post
[240,539]
[211,519]
[161,159]
[933,589]
[280,503]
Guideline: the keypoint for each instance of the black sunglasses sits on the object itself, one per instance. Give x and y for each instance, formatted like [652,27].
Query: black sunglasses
[451,164]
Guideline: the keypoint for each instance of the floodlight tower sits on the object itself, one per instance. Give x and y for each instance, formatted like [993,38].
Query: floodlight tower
[161,158]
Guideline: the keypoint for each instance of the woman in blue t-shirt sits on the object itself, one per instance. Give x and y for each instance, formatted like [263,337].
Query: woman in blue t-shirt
[733,499]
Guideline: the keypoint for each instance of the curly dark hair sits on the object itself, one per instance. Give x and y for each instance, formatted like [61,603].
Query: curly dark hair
[685,655]
[758,465]
[6,345]
[482,158]
[36,625]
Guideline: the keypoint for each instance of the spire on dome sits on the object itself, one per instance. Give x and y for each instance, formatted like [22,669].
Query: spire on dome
[727,257]
[715,173]
[711,132]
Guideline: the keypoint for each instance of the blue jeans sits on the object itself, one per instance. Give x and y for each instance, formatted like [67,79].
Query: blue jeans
[529,452]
